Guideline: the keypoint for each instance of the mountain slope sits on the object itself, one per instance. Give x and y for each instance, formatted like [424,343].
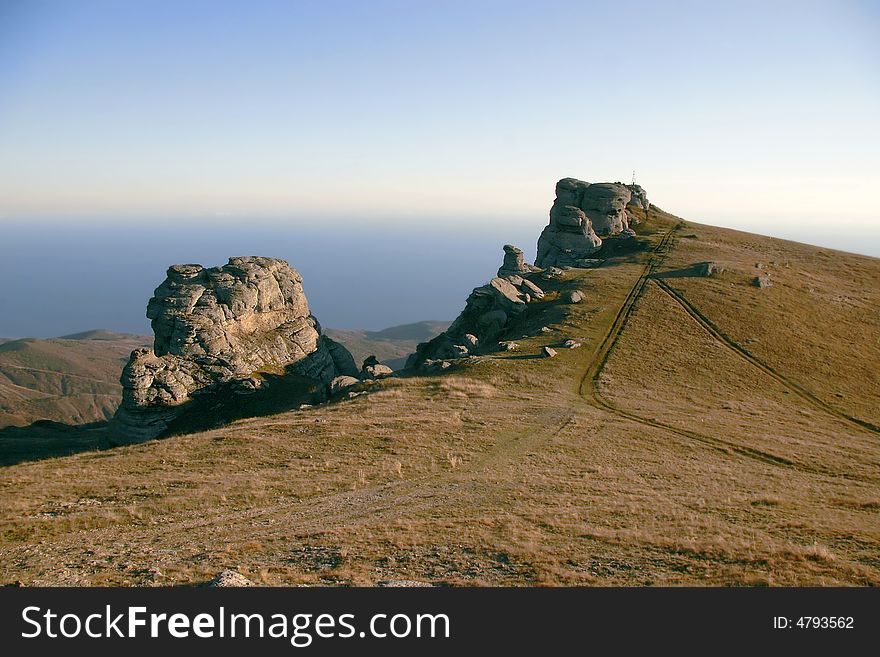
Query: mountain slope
[73,380]
[707,432]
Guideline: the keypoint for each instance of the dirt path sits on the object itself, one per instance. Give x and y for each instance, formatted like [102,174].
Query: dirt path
[743,353]
[589,385]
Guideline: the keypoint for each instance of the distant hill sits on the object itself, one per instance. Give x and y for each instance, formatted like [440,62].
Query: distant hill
[73,379]
[391,345]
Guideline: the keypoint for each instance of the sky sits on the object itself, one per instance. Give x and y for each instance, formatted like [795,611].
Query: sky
[425,121]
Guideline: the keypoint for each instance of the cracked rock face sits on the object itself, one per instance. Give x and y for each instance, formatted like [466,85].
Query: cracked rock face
[582,214]
[215,326]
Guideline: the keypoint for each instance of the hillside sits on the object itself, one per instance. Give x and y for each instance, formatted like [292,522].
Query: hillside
[72,380]
[707,431]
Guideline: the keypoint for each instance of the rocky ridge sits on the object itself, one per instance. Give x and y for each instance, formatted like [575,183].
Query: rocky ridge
[567,242]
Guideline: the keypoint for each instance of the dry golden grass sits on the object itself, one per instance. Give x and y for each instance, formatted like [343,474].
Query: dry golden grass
[691,466]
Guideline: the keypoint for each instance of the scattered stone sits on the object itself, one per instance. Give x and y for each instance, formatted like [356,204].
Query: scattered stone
[433,366]
[762,281]
[229,578]
[213,328]
[572,296]
[549,352]
[509,345]
[471,341]
[341,383]
[571,344]
[759,265]
[545,329]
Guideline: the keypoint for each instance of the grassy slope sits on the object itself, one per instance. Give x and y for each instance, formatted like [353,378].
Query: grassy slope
[683,461]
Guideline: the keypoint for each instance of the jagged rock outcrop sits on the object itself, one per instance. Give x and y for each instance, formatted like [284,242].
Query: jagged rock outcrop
[215,328]
[583,214]
[488,310]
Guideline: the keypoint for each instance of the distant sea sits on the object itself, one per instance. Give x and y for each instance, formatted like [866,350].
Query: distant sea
[63,278]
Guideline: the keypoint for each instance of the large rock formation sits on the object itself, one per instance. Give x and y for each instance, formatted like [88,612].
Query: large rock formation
[220,326]
[582,214]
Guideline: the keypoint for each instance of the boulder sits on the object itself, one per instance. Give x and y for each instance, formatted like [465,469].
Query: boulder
[229,579]
[214,330]
[531,289]
[373,369]
[572,296]
[341,383]
[706,269]
[548,352]
[762,281]
[571,344]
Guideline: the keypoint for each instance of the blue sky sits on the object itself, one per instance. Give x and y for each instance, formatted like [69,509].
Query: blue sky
[741,113]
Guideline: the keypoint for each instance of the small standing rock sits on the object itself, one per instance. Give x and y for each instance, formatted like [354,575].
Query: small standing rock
[549,352]
[572,296]
[508,345]
[762,281]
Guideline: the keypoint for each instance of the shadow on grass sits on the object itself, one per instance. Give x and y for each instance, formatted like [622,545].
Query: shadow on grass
[696,270]
[277,393]
[45,439]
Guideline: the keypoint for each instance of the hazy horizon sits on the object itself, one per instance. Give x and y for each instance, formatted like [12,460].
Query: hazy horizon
[85,276]
[196,131]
